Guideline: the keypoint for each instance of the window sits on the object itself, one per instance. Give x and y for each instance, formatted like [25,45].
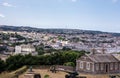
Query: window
[119,65]
[81,65]
[97,66]
[85,58]
[111,66]
[102,66]
[88,66]
[116,66]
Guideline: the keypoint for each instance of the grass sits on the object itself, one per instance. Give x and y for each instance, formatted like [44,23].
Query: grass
[44,72]
[7,75]
[14,73]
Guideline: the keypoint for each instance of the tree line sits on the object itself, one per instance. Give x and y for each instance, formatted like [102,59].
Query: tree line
[59,58]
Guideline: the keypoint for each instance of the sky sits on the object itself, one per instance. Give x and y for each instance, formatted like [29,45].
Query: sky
[102,15]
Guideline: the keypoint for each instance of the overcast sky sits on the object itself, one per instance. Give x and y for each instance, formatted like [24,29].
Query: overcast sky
[103,15]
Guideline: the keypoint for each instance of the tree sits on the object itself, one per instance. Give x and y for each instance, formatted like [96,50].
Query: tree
[59,58]
[75,39]
[66,49]
[2,65]
[40,49]
[14,62]
[19,37]
[30,60]
[69,64]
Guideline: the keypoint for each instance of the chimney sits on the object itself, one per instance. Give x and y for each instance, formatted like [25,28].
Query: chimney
[103,50]
[93,51]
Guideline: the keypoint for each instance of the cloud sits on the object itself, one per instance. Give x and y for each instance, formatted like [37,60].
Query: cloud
[74,0]
[7,4]
[1,15]
[114,1]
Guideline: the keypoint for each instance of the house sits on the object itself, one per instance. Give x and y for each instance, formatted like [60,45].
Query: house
[98,64]
[25,49]
[3,56]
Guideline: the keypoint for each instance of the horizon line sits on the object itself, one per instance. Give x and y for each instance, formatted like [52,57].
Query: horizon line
[33,26]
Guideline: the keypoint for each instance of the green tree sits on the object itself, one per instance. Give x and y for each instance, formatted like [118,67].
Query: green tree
[75,39]
[69,64]
[30,60]
[66,49]
[40,49]
[14,62]
[59,58]
[2,65]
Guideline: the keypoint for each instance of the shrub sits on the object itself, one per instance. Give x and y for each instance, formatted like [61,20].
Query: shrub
[46,76]
[69,64]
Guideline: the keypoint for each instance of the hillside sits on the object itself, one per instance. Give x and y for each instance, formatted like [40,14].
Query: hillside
[53,31]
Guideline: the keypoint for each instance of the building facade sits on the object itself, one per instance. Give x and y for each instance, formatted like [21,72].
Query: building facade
[25,49]
[98,64]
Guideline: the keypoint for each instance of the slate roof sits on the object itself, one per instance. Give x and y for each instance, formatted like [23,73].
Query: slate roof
[102,58]
[117,56]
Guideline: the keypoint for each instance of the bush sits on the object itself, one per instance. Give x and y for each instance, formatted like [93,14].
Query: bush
[46,76]
[69,64]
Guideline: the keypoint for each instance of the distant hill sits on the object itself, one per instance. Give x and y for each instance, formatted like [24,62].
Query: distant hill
[52,31]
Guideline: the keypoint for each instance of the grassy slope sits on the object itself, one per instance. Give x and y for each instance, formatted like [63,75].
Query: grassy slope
[11,74]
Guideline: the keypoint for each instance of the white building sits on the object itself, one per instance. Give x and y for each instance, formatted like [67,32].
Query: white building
[25,49]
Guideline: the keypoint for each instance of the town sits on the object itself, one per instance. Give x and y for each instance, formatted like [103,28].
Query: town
[59,38]
[14,42]
[102,46]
